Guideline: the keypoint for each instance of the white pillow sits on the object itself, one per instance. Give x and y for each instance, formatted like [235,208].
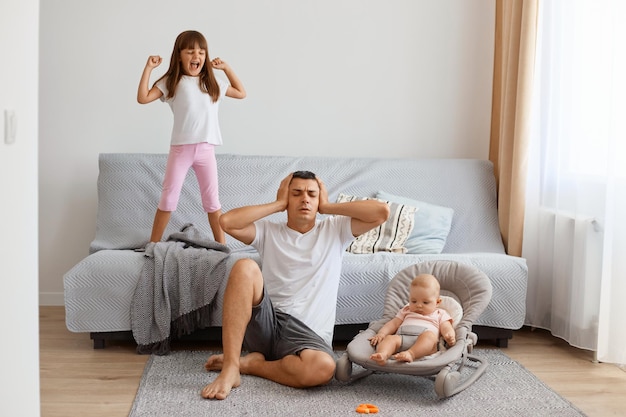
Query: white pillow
[453,308]
[432,224]
[389,236]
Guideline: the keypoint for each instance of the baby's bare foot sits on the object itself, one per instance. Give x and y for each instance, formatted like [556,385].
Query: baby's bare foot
[214,363]
[379,358]
[404,356]
[219,389]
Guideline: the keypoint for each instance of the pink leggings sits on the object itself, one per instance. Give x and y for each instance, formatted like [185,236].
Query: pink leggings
[200,157]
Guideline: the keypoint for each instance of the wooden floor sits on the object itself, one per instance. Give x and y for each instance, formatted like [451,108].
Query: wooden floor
[77,380]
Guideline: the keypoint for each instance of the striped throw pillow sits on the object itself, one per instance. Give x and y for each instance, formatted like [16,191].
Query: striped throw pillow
[389,236]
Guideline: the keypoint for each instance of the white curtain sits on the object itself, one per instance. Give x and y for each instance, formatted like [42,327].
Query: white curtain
[575,225]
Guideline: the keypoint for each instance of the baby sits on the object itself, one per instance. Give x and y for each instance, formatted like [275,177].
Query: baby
[414,332]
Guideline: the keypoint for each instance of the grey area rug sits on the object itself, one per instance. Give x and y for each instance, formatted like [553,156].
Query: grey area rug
[171,386]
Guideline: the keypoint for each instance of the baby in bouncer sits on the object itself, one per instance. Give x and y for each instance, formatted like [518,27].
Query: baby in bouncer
[414,332]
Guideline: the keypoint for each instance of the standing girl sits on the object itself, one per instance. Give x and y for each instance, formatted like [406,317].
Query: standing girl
[193,93]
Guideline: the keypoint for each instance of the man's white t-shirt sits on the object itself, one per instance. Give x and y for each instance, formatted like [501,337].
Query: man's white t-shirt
[195,113]
[301,271]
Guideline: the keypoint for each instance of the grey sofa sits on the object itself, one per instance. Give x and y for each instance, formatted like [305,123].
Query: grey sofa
[99,289]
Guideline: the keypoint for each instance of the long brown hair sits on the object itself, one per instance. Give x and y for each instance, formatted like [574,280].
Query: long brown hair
[206,80]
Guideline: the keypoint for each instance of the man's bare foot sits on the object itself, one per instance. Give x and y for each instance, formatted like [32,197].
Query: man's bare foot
[404,356]
[214,363]
[248,362]
[379,358]
[219,389]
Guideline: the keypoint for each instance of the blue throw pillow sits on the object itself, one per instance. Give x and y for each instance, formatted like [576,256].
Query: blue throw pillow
[431,226]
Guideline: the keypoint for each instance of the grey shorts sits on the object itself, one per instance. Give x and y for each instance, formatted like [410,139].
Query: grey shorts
[409,335]
[276,334]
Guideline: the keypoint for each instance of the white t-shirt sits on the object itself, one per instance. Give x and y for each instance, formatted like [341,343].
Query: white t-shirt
[195,114]
[301,271]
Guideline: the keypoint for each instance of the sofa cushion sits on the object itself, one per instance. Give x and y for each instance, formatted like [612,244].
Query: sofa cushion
[389,236]
[432,224]
[99,289]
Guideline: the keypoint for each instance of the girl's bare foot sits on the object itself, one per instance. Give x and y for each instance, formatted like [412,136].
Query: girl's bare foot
[219,389]
[214,363]
[379,358]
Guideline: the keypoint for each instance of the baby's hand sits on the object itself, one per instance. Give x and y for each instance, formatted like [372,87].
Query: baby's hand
[450,338]
[154,61]
[374,340]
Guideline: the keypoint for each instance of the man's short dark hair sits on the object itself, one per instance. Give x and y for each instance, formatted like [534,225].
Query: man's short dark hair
[305,175]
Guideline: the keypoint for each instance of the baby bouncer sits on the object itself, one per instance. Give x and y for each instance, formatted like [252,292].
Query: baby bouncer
[465,293]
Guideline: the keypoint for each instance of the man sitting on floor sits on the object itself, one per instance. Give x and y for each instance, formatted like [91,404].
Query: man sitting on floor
[284,314]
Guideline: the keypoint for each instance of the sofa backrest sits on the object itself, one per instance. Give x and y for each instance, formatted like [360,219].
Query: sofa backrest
[129,187]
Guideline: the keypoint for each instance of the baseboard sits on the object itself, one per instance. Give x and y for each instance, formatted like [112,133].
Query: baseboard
[51,299]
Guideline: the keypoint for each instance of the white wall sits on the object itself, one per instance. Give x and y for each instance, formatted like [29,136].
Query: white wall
[19,349]
[398,78]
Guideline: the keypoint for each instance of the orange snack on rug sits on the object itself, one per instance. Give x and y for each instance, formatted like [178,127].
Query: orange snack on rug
[367,409]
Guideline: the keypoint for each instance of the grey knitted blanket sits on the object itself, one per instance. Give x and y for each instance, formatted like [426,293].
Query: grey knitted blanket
[178,282]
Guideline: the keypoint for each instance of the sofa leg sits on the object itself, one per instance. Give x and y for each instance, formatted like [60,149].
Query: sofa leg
[98,340]
[500,337]
[502,342]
